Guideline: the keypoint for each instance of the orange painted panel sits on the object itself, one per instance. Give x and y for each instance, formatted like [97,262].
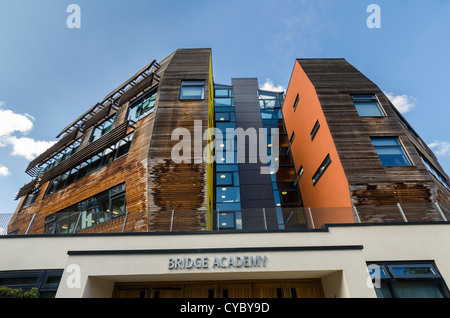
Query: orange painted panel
[332,189]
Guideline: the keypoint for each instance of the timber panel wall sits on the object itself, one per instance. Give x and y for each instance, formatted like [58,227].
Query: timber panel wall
[179,186]
[370,182]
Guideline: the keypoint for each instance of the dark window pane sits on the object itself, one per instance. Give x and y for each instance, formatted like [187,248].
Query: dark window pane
[417,289]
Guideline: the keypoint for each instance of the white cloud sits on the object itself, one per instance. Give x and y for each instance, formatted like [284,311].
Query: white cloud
[11,123]
[28,147]
[4,171]
[440,148]
[403,103]
[269,86]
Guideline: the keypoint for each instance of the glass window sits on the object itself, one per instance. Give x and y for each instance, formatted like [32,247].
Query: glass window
[144,105]
[300,172]
[297,98]
[102,129]
[405,280]
[222,116]
[269,99]
[83,169]
[30,198]
[390,151]
[123,146]
[224,178]
[367,106]
[228,194]
[95,162]
[94,210]
[226,220]
[192,90]
[323,167]
[315,130]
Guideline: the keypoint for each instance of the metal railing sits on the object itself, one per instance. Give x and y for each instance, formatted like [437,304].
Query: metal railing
[249,219]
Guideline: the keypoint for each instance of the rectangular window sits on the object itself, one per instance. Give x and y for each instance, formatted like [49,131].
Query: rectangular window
[94,210]
[291,140]
[143,105]
[323,167]
[30,199]
[300,172]
[315,130]
[407,280]
[222,116]
[102,129]
[390,151]
[92,164]
[367,106]
[225,220]
[296,101]
[192,90]
[228,194]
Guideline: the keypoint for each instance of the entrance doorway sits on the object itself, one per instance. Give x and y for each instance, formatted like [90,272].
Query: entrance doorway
[311,288]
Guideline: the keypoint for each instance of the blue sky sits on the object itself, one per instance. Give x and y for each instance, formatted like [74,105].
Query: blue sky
[50,74]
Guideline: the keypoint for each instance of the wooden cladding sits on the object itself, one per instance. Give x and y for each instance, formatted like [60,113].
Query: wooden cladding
[172,185]
[103,142]
[371,182]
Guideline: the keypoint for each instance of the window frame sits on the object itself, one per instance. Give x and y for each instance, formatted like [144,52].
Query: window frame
[101,127]
[400,146]
[321,170]
[297,99]
[389,277]
[139,101]
[369,98]
[184,83]
[315,130]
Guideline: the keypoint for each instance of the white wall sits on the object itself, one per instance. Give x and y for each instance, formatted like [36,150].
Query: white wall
[343,272]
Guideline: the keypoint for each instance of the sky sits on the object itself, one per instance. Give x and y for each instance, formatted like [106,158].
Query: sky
[51,72]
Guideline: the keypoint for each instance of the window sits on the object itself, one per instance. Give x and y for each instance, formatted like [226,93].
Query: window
[228,194]
[300,172]
[407,280]
[59,157]
[192,90]
[367,106]
[315,130]
[223,116]
[143,105]
[323,167]
[223,96]
[291,140]
[94,210]
[296,101]
[226,220]
[390,151]
[46,281]
[102,129]
[269,99]
[30,199]
[90,165]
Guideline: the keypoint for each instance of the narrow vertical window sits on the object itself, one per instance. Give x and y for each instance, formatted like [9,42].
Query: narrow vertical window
[323,167]
[315,130]
[297,98]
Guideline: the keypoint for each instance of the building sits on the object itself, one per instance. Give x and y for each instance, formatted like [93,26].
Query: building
[175,186]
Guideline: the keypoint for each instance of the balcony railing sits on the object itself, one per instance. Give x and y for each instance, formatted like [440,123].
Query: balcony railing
[278,219]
